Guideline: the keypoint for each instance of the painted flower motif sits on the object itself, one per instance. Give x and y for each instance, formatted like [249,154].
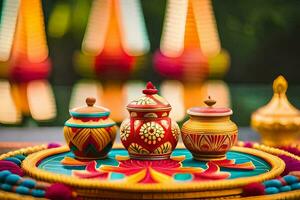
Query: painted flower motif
[164,148]
[156,171]
[151,132]
[144,101]
[91,172]
[175,130]
[137,149]
[150,171]
[125,130]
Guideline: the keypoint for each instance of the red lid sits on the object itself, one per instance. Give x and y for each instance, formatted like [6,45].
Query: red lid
[149,101]
[209,111]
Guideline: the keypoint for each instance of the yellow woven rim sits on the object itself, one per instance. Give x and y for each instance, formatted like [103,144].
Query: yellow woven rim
[13,196]
[30,167]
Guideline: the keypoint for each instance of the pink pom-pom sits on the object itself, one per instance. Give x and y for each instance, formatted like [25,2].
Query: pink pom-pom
[291,164]
[53,145]
[253,189]
[248,144]
[59,191]
[11,166]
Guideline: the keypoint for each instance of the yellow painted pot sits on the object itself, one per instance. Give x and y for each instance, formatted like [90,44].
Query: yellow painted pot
[209,133]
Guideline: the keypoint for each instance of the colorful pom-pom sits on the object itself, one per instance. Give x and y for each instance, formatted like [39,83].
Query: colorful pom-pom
[38,193]
[293,150]
[291,164]
[295,186]
[12,179]
[53,145]
[14,160]
[59,191]
[272,190]
[253,189]
[4,174]
[5,187]
[22,190]
[20,157]
[28,183]
[285,188]
[11,166]
[248,144]
[290,179]
[273,183]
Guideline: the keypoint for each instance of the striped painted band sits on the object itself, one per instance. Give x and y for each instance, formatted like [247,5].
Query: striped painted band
[100,114]
[89,125]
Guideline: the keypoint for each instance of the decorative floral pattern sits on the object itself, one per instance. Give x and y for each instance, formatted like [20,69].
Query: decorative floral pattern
[91,172]
[159,171]
[164,148]
[125,130]
[144,101]
[175,130]
[151,132]
[90,142]
[214,143]
[137,149]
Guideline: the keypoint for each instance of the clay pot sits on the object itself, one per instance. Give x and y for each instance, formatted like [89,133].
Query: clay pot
[149,133]
[209,133]
[90,133]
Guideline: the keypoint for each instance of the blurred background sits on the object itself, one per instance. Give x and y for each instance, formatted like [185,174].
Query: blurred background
[53,54]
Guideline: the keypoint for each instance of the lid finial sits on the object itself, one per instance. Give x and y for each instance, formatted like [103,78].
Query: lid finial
[150,89]
[280,85]
[210,102]
[90,101]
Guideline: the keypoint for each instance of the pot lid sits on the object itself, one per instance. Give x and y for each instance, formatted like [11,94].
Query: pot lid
[90,110]
[210,110]
[279,108]
[149,101]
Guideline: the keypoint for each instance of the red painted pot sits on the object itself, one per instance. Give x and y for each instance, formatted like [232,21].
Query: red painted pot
[149,133]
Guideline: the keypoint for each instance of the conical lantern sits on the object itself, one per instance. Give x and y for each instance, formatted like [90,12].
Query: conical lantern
[24,56]
[115,36]
[190,47]
[278,122]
